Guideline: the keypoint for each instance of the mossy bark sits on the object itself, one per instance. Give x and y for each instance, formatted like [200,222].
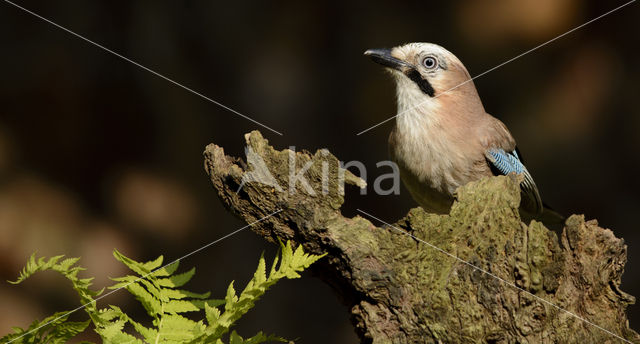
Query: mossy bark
[520,283]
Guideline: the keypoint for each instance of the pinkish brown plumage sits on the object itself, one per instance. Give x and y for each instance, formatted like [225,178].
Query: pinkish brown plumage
[443,137]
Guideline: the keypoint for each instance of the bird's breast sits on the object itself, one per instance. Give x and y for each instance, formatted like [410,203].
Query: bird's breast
[435,156]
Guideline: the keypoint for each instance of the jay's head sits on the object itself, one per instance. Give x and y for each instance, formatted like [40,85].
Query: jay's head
[424,70]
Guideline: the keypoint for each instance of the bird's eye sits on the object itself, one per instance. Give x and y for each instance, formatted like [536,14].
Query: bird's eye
[430,62]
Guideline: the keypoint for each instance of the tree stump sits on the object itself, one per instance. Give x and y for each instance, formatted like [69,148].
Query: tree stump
[476,275]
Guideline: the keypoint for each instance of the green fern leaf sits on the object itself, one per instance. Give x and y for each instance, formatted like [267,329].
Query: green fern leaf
[152,287]
[175,328]
[149,334]
[290,264]
[65,331]
[155,288]
[123,281]
[180,306]
[178,294]
[260,276]
[274,267]
[152,305]
[69,270]
[34,266]
[167,270]
[52,329]
[211,303]
[260,337]
[234,338]
[212,313]
[231,298]
[178,280]
[263,338]
[139,268]
[154,264]
[114,334]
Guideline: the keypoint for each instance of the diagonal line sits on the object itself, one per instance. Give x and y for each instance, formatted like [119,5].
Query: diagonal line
[145,276]
[143,67]
[502,64]
[511,284]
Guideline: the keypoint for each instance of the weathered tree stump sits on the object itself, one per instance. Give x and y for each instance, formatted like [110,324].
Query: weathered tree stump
[496,280]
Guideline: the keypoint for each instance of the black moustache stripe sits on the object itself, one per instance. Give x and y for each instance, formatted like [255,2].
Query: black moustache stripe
[424,84]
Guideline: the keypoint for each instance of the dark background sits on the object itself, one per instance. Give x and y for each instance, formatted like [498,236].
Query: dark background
[97,154]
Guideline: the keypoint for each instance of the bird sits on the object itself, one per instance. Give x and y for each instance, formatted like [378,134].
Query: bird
[443,138]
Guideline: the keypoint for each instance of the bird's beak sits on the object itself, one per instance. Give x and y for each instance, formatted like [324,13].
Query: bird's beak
[383,57]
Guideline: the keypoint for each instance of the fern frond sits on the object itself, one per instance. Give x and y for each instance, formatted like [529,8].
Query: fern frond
[290,264]
[34,266]
[69,270]
[156,288]
[52,329]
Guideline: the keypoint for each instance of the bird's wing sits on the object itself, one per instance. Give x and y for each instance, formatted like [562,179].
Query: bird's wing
[503,163]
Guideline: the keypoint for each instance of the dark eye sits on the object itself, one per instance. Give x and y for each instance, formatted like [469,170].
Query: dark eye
[430,62]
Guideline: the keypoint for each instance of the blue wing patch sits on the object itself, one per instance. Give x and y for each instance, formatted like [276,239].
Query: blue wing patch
[506,162]
[503,162]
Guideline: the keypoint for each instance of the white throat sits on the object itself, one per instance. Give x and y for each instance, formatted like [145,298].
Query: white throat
[416,111]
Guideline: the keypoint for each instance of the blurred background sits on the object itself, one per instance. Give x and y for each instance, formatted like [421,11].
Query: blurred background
[97,154]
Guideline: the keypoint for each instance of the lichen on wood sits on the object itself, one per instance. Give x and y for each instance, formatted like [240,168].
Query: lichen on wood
[500,280]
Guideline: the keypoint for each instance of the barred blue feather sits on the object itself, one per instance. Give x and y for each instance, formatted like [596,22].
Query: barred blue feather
[508,162]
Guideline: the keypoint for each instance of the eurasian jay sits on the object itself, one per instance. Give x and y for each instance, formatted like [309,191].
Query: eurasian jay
[443,138]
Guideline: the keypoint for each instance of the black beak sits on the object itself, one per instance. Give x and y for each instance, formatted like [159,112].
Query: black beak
[383,57]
